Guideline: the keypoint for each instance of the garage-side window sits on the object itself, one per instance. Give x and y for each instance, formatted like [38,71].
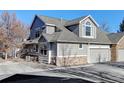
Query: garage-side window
[80,46]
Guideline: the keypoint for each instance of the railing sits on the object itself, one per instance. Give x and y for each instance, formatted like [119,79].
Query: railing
[28,52]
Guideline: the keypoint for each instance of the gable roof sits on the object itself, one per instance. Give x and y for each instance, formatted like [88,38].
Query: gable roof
[115,37]
[65,35]
[77,20]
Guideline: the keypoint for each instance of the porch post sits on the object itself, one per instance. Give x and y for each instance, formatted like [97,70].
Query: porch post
[49,54]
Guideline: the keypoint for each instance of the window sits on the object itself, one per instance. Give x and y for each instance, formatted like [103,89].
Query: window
[37,34]
[43,51]
[88,29]
[88,23]
[36,48]
[80,46]
[43,27]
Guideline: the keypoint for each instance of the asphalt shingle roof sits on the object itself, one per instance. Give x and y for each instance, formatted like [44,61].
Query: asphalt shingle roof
[65,35]
[52,20]
[74,21]
[34,41]
[115,37]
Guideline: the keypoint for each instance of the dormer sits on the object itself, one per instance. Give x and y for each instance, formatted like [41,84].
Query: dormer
[41,24]
[50,28]
[88,27]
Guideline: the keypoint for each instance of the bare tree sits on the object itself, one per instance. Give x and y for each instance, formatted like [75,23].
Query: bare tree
[13,31]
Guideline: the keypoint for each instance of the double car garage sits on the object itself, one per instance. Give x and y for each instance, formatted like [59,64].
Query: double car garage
[99,53]
[102,53]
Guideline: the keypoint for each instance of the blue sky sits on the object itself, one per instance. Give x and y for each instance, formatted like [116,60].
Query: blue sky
[111,17]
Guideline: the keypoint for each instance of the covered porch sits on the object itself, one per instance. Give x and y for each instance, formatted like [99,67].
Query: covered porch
[39,51]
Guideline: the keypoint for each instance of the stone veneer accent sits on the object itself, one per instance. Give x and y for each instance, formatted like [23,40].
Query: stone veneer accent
[115,48]
[120,44]
[113,53]
[71,61]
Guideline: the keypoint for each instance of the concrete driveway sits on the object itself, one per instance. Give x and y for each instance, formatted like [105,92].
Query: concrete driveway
[105,72]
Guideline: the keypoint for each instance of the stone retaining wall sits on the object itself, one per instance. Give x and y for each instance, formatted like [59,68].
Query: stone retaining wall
[71,61]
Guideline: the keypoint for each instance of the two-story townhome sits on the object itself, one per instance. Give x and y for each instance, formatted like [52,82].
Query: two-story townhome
[67,42]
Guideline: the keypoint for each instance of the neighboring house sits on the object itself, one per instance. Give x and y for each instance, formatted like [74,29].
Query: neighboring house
[67,42]
[117,47]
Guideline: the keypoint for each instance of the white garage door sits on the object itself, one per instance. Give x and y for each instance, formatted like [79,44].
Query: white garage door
[99,55]
[120,55]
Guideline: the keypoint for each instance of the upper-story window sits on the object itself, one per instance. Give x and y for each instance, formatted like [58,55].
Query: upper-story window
[37,34]
[80,46]
[88,29]
[43,27]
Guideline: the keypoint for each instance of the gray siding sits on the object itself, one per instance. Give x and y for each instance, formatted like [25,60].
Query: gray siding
[50,29]
[64,49]
[36,26]
[82,28]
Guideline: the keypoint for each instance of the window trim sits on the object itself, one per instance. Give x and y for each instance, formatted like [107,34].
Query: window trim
[88,24]
[44,51]
[84,30]
[37,34]
[88,31]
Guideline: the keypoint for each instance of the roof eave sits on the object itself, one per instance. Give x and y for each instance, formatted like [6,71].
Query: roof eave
[91,19]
